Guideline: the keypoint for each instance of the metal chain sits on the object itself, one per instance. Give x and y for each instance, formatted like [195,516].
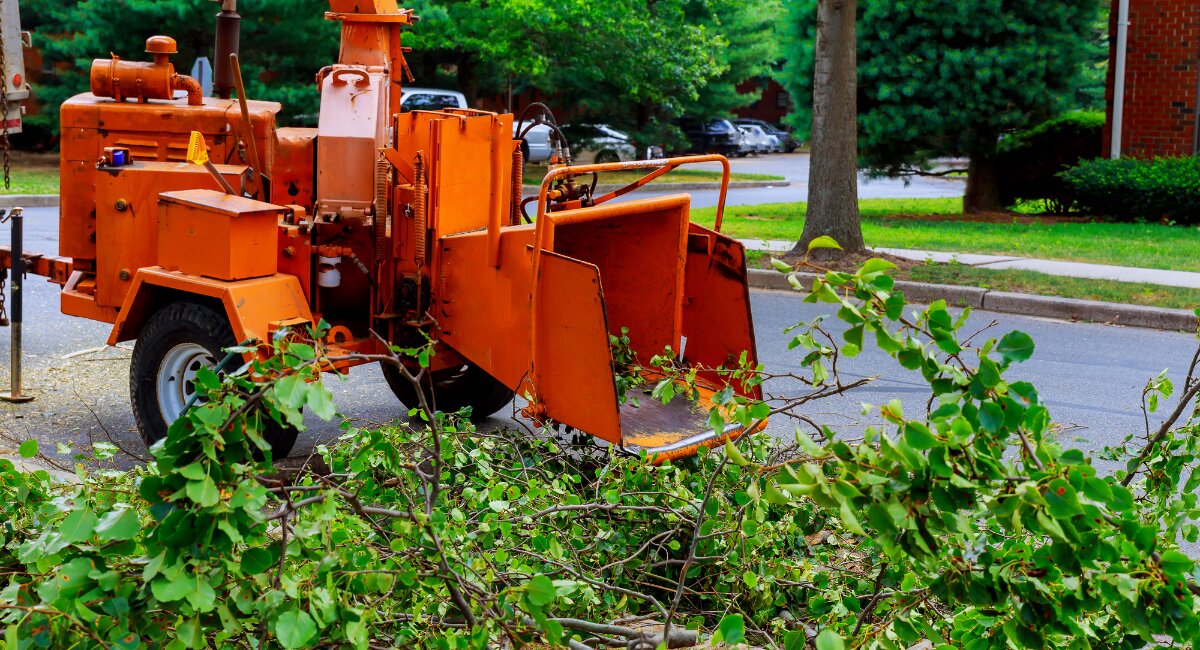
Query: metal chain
[4,113]
[3,312]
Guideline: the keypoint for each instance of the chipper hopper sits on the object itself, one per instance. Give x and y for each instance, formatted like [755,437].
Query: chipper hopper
[390,226]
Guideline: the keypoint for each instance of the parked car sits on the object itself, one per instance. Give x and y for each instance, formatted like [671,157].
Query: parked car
[756,141]
[786,141]
[430,99]
[600,143]
[535,146]
[711,136]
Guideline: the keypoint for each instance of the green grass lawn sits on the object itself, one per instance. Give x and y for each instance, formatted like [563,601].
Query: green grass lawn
[935,224]
[32,180]
[535,173]
[1042,284]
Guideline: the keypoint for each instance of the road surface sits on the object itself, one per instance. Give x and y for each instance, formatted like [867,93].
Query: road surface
[1090,375]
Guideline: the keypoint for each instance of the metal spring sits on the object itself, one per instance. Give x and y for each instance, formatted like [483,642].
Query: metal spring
[518,187]
[383,170]
[419,198]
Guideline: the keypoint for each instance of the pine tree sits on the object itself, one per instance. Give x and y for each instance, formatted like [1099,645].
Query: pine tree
[952,77]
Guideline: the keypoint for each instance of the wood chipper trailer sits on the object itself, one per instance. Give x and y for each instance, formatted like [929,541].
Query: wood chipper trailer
[405,224]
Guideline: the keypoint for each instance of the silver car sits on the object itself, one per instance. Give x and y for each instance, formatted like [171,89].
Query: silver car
[757,141]
[600,143]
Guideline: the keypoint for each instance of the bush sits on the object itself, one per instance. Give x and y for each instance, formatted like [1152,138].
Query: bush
[1163,189]
[1030,161]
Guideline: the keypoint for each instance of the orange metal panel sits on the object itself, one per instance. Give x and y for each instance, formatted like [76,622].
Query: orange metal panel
[292,170]
[466,184]
[484,311]
[639,249]
[209,233]
[717,319]
[573,372]
[127,238]
[253,306]
[351,132]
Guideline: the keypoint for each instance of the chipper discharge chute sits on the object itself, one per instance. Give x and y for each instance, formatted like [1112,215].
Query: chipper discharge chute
[395,228]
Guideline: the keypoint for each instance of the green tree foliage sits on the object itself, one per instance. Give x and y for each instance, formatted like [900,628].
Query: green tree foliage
[284,43]
[950,77]
[632,63]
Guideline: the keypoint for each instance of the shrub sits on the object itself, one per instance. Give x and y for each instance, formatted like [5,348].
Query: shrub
[1030,161]
[1163,189]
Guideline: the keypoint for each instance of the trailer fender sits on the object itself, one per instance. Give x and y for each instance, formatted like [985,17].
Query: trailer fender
[253,306]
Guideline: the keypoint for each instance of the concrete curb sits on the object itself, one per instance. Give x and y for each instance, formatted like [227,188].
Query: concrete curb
[1014,303]
[28,200]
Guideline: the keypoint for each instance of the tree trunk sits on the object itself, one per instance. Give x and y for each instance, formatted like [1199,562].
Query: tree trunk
[983,195]
[466,79]
[833,177]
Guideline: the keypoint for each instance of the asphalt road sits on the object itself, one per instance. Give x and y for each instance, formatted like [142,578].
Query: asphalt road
[794,168]
[1090,375]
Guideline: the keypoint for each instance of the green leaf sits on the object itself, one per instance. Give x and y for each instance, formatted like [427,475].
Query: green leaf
[735,456]
[258,560]
[320,400]
[295,629]
[781,266]
[28,449]
[750,578]
[824,241]
[1062,501]
[918,435]
[876,265]
[540,591]
[1175,563]
[829,640]
[118,525]
[203,492]
[169,590]
[1015,346]
[731,629]
[78,526]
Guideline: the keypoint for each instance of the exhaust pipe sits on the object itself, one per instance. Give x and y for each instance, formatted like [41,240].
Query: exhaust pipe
[229,36]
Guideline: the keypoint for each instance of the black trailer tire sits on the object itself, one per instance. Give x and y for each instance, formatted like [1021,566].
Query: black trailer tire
[453,389]
[175,342]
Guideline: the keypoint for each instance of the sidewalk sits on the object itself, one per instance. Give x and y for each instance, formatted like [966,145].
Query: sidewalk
[1050,267]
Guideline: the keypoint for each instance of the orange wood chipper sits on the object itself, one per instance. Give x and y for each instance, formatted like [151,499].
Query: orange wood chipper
[404,224]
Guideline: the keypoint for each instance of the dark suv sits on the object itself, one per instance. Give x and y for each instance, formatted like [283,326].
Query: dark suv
[711,136]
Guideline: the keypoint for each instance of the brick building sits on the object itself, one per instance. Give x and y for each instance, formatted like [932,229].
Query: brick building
[773,102]
[1162,79]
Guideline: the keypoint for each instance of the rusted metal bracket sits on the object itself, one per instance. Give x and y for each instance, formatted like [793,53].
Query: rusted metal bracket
[57,269]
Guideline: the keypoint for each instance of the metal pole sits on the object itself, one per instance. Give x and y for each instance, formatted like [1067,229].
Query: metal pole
[1118,110]
[18,279]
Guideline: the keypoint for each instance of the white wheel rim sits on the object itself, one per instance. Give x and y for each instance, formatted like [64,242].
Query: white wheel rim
[176,375]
